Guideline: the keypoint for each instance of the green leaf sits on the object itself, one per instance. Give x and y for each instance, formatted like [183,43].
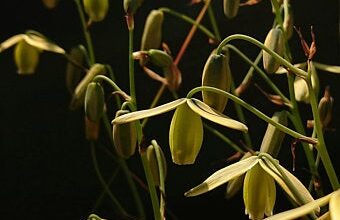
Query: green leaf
[11,41]
[206,112]
[302,210]
[133,116]
[271,170]
[223,175]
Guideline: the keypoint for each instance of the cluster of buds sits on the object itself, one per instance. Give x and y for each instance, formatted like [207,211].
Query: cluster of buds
[96,9]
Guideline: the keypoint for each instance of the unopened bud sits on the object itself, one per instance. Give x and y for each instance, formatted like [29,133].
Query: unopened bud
[230,8]
[155,162]
[216,73]
[94,101]
[288,21]
[91,130]
[185,139]
[96,9]
[131,6]
[325,108]
[159,58]
[26,58]
[301,87]
[272,140]
[275,42]
[152,34]
[124,138]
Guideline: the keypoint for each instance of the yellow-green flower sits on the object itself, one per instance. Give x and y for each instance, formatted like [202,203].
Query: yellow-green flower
[258,187]
[186,129]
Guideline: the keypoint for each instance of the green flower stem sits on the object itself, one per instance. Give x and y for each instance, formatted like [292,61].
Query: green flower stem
[328,68]
[190,21]
[214,23]
[262,74]
[132,67]
[113,78]
[161,178]
[279,59]
[224,138]
[123,165]
[321,147]
[86,33]
[116,203]
[100,78]
[254,111]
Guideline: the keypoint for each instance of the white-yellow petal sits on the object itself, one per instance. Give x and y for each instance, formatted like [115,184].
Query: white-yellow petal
[133,116]
[42,43]
[11,41]
[223,175]
[206,112]
[334,205]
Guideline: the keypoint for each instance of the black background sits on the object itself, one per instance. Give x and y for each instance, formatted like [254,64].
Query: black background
[46,166]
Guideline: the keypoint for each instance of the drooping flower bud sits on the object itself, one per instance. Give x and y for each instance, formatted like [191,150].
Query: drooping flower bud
[185,135]
[152,34]
[124,138]
[216,73]
[301,87]
[74,73]
[91,130]
[259,193]
[94,101]
[275,42]
[326,108]
[272,140]
[156,161]
[131,6]
[159,58]
[230,8]
[79,92]
[96,9]
[26,58]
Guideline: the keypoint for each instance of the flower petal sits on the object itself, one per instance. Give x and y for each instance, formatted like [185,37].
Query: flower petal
[206,112]
[11,41]
[302,210]
[42,43]
[223,175]
[133,116]
[334,205]
[271,170]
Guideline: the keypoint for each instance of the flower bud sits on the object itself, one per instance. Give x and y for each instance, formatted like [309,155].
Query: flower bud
[152,35]
[96,9]
[159,58]
[216,73]
[124,138]
[230,8]
[26,58]
[288,21]
[274,41]
[91,130]
[273,137]
[131,6]
[185,135]
[79,92]
[259,193]
[74,73]
[334,204]
[155,163]
[325,108]
[94,101]
[301,87]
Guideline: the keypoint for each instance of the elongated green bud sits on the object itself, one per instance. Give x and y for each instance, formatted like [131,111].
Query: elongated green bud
[326,108]
[94,101]
[124,138]
[131,6]
[275,42]
[79,92]
[26,58]
[96,9]
[216,73]
[235,184]
[154,161]
[259,193]
[185,135]
[152,34]
[74,73]
[159,58]
[272,140]
[230,8]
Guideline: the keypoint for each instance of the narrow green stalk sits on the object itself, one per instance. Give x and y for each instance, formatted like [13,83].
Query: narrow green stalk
[113,78]
[131,67]
[123,165]
[328,68]
[100,78]
[257,43]
[214,23]
[116,203]
[254,111]
[189,20]
[86,33]
[262,74]
[321,147]
[224,138]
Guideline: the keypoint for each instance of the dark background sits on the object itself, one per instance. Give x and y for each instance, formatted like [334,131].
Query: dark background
[46,166]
